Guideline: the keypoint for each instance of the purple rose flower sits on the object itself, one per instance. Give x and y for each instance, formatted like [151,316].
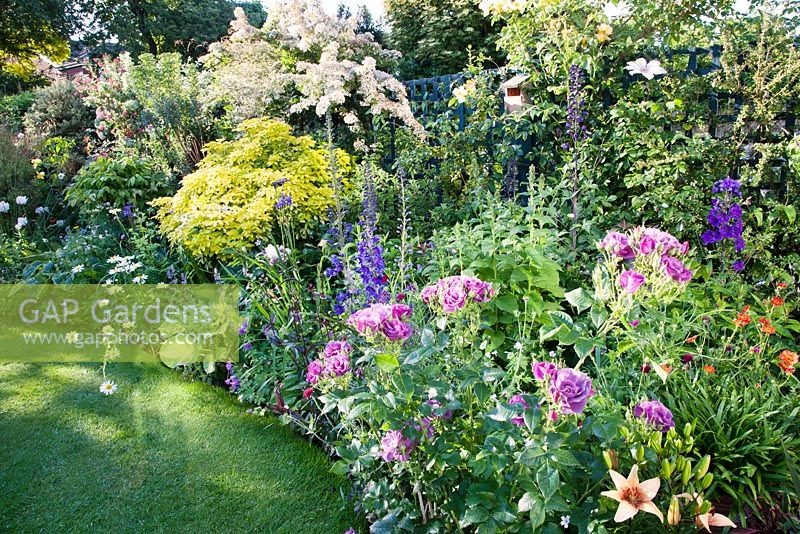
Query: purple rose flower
[337,348]
[478,290]
[617,244]
[571,389]
[314,371]
[337,365]
[631,281]
[395,330]
[676,269]
[396,447]
[518,401]
[647,245]
[454,298]
[542,370]
[655,414]
[401,311]
[367,322]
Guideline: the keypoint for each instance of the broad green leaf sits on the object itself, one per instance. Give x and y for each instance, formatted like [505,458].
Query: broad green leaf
[579,298]
[387,362]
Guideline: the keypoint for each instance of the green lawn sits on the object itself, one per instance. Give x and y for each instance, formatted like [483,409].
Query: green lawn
[161,454]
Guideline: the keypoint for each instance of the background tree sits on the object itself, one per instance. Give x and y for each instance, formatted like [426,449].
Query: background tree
[434,36]
[29,28]
[157,26]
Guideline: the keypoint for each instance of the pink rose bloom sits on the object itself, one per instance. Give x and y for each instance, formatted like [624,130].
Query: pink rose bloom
[337,365]
[454,298]
[618,244]
[647,245]
[395,330]
[428,293]
[676,269]
[631,281]
[666,240]
[367,321]
[478,290]
[541,370]
[396,447]
[337,348]
[315,369]
[401,311]
[518,401]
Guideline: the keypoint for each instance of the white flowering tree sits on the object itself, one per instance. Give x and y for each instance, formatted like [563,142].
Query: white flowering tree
[304,59]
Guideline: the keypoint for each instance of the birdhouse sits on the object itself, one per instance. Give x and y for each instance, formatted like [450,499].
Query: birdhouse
[514,98]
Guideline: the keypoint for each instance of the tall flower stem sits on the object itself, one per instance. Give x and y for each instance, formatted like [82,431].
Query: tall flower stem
[577,132]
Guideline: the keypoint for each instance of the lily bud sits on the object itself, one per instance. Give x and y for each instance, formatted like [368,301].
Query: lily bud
[707,480]
[611,459]
[674,512]
[702,467]
[666,468]
[687,472]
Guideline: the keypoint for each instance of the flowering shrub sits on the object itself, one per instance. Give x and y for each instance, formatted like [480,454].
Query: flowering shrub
[452,294]
[642,264]
[426,436]
[382,320]
[231,201]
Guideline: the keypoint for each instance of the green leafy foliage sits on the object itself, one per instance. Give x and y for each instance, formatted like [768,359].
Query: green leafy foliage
[230,201]
[58,111]
[114,183]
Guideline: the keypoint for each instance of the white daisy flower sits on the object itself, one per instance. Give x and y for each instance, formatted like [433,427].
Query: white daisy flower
[77,269]
[108,387]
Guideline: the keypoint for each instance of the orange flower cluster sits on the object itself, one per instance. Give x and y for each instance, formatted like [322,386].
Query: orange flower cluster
[787,361]
[766,326]
[743,318]
[710,369]
[777,301]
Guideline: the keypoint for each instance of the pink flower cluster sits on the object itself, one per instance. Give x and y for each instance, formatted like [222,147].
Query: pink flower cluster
[335,362]
[396,447]
[644,242]
[383,319]
[455,292]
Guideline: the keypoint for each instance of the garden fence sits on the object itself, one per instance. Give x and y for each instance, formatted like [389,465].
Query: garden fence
[429,99]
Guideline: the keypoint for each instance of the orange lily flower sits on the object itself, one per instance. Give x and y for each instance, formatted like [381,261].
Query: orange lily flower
[710,518]
[633,496]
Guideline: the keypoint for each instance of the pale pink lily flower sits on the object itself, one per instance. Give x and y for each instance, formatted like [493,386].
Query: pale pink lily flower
[710,518]
[648,69]
[633,496]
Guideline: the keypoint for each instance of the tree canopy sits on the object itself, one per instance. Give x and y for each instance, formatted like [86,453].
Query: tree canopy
[29,28]
[157,26]
[434,36]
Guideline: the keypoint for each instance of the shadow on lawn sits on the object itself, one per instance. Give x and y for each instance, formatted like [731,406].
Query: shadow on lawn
[160,454]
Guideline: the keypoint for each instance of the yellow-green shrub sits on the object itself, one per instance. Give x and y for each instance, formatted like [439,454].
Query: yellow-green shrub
[229,201]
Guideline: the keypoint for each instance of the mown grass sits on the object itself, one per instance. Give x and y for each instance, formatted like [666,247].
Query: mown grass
[160,455]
